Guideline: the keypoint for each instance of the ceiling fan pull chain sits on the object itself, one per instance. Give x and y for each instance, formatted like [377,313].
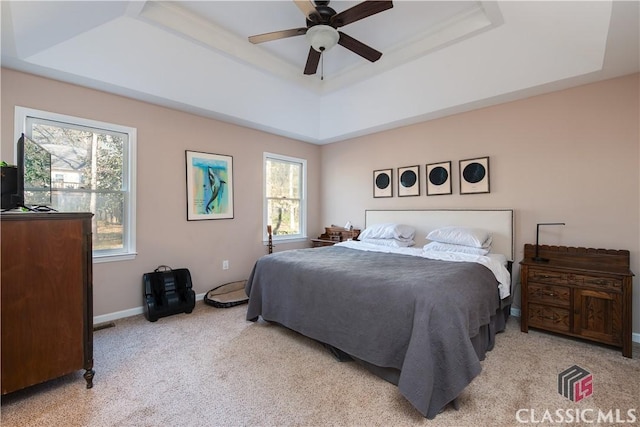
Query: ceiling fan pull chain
[322,65]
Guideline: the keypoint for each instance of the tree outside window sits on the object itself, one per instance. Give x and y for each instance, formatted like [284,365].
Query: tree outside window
[92,170]
[284,196]
[89,167]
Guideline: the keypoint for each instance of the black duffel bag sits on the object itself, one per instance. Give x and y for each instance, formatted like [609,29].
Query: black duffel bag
[166,292]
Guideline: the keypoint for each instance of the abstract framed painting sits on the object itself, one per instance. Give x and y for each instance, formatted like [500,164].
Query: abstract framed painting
[409,181]
[474,175]
[209,186]
[383,183]
[439,178]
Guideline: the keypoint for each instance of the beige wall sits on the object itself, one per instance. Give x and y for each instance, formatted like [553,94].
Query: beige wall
[571,156]
[163,234]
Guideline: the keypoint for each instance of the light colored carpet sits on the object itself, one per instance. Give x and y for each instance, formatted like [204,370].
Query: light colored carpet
[211,367]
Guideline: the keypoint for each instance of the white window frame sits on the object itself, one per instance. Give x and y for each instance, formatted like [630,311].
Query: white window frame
[22,114]
[303,200]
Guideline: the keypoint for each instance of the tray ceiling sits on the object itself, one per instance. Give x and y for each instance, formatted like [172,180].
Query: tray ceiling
[439,57]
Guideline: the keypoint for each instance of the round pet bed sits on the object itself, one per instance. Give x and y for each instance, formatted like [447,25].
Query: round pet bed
[227,295]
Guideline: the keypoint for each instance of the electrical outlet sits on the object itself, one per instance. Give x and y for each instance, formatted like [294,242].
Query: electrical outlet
[225,264]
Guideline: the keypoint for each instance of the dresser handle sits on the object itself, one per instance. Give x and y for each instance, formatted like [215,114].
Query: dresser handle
[549,318]
[550,294]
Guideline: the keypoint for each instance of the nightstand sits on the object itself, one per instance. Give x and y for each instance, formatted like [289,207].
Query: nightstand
[333,235]
[579,292]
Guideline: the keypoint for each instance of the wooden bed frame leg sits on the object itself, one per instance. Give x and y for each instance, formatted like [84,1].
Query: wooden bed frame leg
[456,404]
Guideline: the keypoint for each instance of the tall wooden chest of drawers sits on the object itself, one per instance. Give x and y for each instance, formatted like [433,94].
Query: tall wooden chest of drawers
[580,292]
[47,300]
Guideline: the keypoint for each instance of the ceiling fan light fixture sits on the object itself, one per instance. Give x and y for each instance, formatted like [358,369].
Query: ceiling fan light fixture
[322,37]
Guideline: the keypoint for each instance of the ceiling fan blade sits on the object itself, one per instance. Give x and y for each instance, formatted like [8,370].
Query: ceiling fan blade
[267,37]
[359,11]
[359,48]
[308,8]
[312,61]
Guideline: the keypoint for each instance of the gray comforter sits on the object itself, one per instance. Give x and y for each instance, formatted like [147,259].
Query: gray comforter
[393,311]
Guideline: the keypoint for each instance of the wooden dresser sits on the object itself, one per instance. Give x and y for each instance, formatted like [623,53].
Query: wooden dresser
[580,292]
[47,301]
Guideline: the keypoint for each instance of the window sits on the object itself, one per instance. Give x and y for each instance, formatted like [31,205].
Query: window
[92,170]
[285,191]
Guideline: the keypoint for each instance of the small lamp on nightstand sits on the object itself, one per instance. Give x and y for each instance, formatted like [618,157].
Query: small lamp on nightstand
[538,258]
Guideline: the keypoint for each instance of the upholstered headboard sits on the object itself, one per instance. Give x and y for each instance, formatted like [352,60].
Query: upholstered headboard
[498,221]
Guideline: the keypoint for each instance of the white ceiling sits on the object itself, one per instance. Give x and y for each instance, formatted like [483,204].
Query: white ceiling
[439,57]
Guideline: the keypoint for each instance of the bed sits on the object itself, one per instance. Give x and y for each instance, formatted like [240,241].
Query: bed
[422,322]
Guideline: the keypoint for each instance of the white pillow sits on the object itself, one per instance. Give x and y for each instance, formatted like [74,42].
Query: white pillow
[394,243]
[388,231]
[465,236]
[448,247]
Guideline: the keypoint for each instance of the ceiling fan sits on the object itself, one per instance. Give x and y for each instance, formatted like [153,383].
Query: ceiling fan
[322,29]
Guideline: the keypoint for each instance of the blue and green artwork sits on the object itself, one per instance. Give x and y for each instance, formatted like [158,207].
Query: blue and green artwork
[210,186]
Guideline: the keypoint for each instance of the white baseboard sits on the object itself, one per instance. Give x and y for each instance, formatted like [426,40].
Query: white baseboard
[110,317]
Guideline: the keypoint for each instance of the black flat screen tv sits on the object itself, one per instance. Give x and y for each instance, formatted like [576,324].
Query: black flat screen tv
[9,181]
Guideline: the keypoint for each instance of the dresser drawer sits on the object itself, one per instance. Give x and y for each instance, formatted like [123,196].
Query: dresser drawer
[602,283]
[551,318]
[548,294]
[546,276]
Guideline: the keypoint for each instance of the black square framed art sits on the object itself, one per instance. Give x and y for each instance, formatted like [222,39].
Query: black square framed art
[439,178]
[383,183]
[409,181]
[474,175]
